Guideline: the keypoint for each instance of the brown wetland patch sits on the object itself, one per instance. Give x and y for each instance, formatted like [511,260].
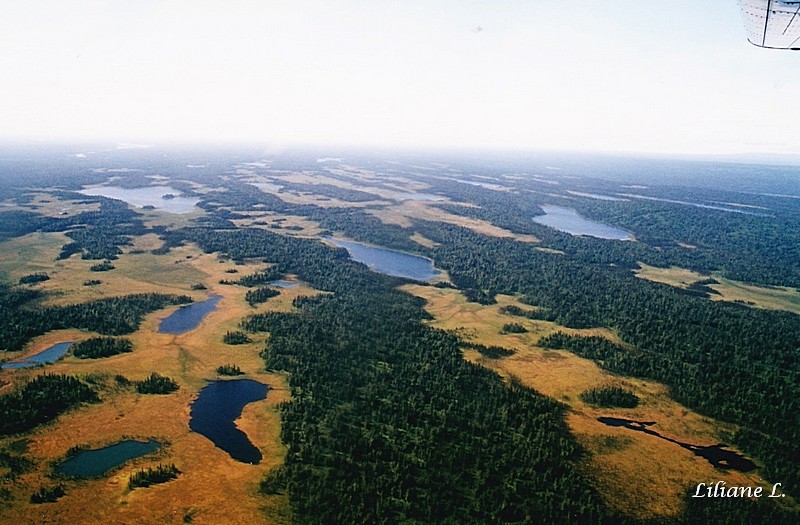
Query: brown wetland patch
[638,474]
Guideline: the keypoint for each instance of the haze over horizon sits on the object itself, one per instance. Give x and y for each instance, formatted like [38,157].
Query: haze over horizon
[623,77]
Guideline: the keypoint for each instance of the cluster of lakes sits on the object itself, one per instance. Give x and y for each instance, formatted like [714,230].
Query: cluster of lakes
[389,262]
[180,321]
[569,221]
[220,403]
[159,197]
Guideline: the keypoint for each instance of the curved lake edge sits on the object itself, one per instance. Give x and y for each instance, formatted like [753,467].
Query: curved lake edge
[154,195]
[81,463]
[188,317]
[433,273]
[55,351]
[570,221]
[216,408]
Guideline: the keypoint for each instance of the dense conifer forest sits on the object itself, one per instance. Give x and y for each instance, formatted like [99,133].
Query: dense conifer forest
[21,319]
[98,347]
[386,421]
[41,400]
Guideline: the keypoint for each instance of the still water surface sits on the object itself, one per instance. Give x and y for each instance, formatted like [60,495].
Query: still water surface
[188,317]
[567,220]
[93,463]
[48,355]
[390,262]
[216,408]
[147,196]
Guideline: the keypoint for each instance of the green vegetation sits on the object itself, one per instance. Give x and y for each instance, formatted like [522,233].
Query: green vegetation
[260,278]
[98,347]
[21,320]
[610,397]
[513,328]
[199,286]
[34,278]
[12,458]
[512,309]
[153,476]
[92,282]
[384,409]
[156,384]
[229,370]
[97,234]
[387,423]
[727,361]
[275,481]
[104,266]
[48,494]
[260,295]
[41,400]
[236,338]
[492,352]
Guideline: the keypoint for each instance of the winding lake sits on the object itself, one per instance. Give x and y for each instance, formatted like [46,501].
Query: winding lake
[216,409]
[188,317]
[569,221]
[146,196]
[718,455]
[93,463]
[48,355]
[389,262]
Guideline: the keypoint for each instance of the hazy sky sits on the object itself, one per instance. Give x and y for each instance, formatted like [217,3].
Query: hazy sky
[615,75]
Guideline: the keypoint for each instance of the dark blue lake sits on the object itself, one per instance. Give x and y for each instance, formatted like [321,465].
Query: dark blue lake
[567,220]
[390,262]
[216,408]
[188,317]
[48,355]
[93,463]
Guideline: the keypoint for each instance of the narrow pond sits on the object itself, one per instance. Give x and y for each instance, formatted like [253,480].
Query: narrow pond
[48,355]
[718,455]
[93,463]
[284,284]
[567,220]
[390,262]
[147,196]
[216,408]
[188,317]
[407,196]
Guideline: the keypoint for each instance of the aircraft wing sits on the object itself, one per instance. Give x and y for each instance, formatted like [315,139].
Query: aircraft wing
[772,23]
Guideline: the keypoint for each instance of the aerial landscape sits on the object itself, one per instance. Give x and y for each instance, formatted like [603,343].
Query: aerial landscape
[331,314]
